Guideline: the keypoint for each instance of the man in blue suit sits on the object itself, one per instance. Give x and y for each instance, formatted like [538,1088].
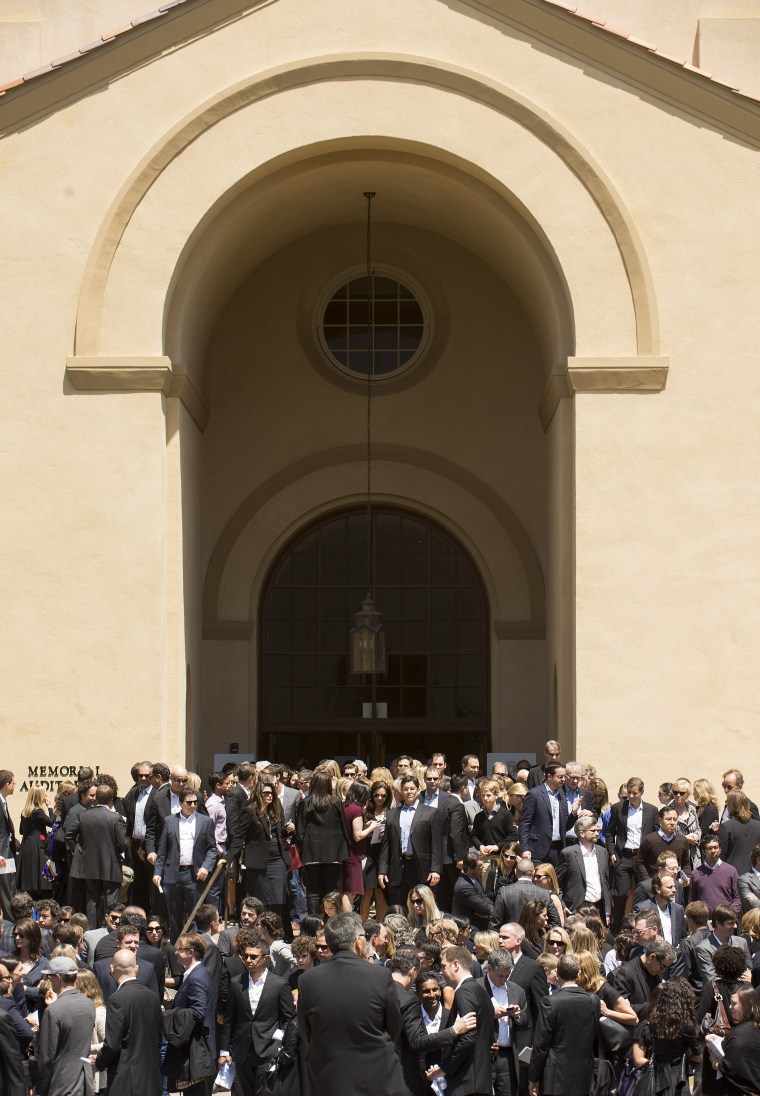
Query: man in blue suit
[190,1024]
[543,823]
[186,856]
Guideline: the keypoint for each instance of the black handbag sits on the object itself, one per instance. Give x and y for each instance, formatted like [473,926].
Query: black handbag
[603,1078]
[617,1039]
[645,1081]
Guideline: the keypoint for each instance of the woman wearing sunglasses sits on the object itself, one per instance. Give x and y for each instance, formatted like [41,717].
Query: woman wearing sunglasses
[545,877]
[379,803]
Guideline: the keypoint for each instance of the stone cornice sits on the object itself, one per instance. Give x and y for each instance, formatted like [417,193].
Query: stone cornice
[138,374]
[634,374]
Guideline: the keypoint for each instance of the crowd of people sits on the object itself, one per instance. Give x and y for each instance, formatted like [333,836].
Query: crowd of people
[422,928]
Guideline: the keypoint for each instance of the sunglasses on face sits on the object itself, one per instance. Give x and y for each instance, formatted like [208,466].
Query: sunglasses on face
[191,802]
[179,780]
[679,793]
[154,928]
[417,902]
[556,943]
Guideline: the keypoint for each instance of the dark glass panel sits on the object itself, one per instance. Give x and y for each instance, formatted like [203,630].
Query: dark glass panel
[442,670]
[334,536]
[415,636]
[442,635]
[283,575]
[394,669]
[309,543]
[410,337]
[279,604]
[415,570]
[465,573]
[278,705]
[357,533]
[415,604]
[335,313]
[359,361]
[305,704]
[442,603]
[334,570]
[393,634]
[278,635]
[278,670]
[442,569]
[335,337]
[334,670]
[305,670]
[388,533]
[388,601]
[341,357]
[386,312]
[468,637]
[391,697]
[388,569]
[468,604]
[469,703]
[306,602]
[385,288]
[334,604]
[305,570]
[305,635]
[357,289]
[443,703]
[414,703]
[469,670]
[415,536]
[335,635]
[415,669]
[357,571]
[385,362]
[438,544]
[409,312]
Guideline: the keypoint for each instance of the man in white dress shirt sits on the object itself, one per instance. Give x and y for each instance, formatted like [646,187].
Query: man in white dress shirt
[186,856]
[511,1018]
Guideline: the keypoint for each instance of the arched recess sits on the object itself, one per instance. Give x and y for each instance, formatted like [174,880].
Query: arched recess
[121,311]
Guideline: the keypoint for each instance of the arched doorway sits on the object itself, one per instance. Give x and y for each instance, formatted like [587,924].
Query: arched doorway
[435,694]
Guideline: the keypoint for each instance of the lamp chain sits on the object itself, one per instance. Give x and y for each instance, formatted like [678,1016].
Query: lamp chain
[369,195]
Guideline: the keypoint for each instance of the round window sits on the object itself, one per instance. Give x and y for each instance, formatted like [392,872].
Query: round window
[376,326]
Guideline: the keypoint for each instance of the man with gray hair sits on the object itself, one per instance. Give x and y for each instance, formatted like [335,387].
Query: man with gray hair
[526,972]
[349,1017]
[65,1035]
[511,1024]
[583,871]
[511,899]
[552,750]
[132,1047]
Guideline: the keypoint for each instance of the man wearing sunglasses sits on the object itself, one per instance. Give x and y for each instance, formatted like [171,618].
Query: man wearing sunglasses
[186,857]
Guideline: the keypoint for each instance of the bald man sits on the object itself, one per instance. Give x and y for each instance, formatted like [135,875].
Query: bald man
[132,1047]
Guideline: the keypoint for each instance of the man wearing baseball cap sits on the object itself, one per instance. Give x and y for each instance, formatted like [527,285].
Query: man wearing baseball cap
[65,1035]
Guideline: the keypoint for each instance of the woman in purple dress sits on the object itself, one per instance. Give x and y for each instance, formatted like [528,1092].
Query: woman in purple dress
[356,800]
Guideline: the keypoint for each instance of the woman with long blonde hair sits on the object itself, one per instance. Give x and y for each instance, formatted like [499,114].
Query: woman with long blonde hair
[36,820]
[706,799]
[545,877]
[422,910]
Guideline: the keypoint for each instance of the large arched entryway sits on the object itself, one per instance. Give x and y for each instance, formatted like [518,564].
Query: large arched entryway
[435,693]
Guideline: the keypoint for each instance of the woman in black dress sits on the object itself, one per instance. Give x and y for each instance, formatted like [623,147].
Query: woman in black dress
[36,820]
[380,802]
[502,871]
[534,919]
[668,1037]
[264,855]
[322,839]
[741,1064]
[706,799]
[739,833]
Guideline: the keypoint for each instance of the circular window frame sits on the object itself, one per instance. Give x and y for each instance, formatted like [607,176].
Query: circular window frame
[379,270]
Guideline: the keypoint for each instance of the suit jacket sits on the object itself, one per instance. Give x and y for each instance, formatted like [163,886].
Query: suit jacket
[196,992]
[204,849]
[90,941]
[472,902]
[511,899]
[737,840]
[643,893]
[617,827]
[686,965]
[571,874]
[290,799]
[157,810]
[146,976]
[535,827]
[520,1029]
[563,1042]
[255,835]
[212,961]
[65,1037]
[235,803]
[749,890]
[101,839]
[467,1064]
[677,917]
[12,1081]
[632,982]
[245,1033]
[707,948]
[414,1039]
[529,975]
[348,1014]
[130,803]
[132,1046]
[8,845]
[454,830]
[426,839]
[536,776]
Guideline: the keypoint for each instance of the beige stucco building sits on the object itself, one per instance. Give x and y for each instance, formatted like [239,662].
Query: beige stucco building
[565,473]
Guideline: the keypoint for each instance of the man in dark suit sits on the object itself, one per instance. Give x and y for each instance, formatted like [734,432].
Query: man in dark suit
[466,1066]
[455,838]
[564,1038]
[132,1046]
[537,773]
[194,1058]
[543,822]
[136,806]
[258,1005]
[511,1024]
[670,912]
[163,802]
[667,862]
[412,847]
[631,819]
[470,900]
[749,883]
[7,841]
[348,1003]
[415,1040]
[76,892]
[636,979]
[429,989]
[235,803]
[686,964]
[186,856]
[207,924]
[511,899]
[101,839]
[526,972]
[583,872]
[128,939]
[63,1049]
[12,1080]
